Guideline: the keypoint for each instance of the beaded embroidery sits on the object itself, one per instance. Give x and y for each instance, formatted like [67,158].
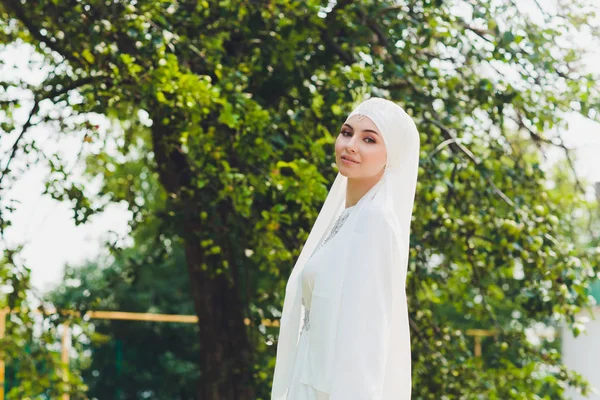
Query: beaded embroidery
[306,325]
[369,107]
[336,227]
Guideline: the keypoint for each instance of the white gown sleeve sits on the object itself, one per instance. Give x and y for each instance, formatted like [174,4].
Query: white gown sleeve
[363,333]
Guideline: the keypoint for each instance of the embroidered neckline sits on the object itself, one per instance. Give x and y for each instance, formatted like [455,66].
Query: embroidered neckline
[336,227]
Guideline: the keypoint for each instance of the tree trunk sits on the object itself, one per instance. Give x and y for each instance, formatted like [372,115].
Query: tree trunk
[225,353]
[226,356]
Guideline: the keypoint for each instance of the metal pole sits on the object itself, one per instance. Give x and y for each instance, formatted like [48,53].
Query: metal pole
[477,346]
[2,332]
[118,367]
[64,357]
[479,334]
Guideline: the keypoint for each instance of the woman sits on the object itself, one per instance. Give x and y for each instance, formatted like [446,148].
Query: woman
[344,331]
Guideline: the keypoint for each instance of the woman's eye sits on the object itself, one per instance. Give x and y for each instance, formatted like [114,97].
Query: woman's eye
[348,133]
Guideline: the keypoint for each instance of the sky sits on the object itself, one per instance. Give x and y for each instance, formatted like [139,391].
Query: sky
[47,227]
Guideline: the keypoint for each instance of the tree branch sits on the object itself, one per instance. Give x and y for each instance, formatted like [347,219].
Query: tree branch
[457,146]
[486,304]
[327,38]
[388,9]
[51,94]
[538,138]
[18,10]
[454,144]
[15,146]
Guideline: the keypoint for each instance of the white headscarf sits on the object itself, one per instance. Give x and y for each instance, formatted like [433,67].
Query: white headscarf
[394,194]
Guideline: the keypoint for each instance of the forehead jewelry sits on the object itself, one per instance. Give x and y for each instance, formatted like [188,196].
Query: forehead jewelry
[371,105]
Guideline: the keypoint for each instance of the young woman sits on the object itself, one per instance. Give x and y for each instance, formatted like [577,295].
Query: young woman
[344,331]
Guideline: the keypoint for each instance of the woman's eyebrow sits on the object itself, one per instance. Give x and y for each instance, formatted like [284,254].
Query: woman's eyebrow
[364,130]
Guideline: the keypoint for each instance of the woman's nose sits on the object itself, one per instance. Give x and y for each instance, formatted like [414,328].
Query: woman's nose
[352,143]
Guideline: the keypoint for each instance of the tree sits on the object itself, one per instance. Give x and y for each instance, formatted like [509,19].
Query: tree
[33,364]
[128,356]
[241,99]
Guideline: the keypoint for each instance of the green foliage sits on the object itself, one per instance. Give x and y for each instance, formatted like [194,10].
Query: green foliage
[33,363]
[243,100]
[133,359]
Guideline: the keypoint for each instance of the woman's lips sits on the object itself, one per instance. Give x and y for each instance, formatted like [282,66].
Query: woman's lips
[348,162]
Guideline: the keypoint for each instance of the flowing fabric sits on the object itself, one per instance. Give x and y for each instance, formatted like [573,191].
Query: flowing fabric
[367,330]
[321,259]
[358,344]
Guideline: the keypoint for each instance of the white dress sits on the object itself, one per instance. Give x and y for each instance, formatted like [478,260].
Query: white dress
[317,261]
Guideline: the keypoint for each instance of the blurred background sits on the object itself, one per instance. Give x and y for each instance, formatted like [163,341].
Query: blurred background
[162,162]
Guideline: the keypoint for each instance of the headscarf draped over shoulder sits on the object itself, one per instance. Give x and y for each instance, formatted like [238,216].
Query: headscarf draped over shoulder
[391,200]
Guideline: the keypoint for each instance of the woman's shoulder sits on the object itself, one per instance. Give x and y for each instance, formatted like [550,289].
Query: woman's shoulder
[374,219]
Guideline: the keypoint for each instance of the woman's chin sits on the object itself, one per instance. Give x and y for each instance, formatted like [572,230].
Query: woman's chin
[347,172]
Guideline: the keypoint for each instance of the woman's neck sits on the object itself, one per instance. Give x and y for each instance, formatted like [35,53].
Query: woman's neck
[358,187]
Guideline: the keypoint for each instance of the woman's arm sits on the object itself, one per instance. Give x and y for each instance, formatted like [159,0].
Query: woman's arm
[363,332]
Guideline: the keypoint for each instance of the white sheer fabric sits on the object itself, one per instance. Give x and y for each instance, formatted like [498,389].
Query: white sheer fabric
[358,344]
[323,255]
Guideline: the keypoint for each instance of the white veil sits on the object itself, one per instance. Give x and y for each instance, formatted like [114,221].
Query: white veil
[395,192]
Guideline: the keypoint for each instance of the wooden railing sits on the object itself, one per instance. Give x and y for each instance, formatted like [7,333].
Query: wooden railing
[114,315]
[130,316]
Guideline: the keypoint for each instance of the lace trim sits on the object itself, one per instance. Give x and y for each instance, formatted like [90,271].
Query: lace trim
[306,324]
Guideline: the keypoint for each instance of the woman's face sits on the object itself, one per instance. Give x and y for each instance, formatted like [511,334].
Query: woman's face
[361,141]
